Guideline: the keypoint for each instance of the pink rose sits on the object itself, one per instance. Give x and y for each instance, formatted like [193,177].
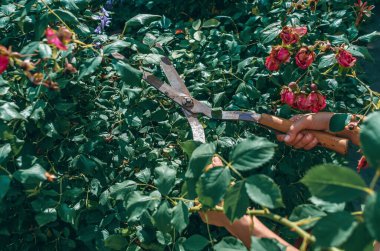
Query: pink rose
[4,59]
[287,96]
[282,54]
[345,58]
[304,58]
[60,38]
[300,102]
[272,63]
[316,101]
[291,35]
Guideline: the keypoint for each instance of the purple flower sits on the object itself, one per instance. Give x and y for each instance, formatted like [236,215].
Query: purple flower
[105,21]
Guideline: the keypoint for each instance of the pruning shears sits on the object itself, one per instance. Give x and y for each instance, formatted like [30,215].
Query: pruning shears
[191,107]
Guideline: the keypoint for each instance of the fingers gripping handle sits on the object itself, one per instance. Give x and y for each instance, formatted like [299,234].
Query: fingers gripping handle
[337,144]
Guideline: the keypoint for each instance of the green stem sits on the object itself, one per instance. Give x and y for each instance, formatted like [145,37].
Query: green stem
[228,164]
[375,179]
[5,170]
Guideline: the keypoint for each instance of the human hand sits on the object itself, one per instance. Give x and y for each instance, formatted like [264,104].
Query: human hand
[298,139]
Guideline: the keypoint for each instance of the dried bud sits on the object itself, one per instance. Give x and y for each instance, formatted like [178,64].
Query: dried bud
[37,78]
[70,68]
[26,65]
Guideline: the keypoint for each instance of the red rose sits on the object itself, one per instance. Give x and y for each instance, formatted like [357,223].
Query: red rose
[300,102]
[292,35]
[272,63]
[287,96]
[304,58]
[282,54]
[345,58]
[179,31]
[316,101]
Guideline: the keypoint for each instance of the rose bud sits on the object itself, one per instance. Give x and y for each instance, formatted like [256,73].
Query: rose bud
[300,102]
[272,63]
[179,31]
[64,35]
[287,96]
[305,58]
[313,87]
[315,101]
[52,38]
[324,46]
[293,85]
[345,59]
[362,164]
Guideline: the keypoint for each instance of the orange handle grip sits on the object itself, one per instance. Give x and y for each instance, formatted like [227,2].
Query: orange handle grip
[337,144]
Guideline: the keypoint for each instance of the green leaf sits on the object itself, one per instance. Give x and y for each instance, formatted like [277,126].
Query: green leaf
[327,61]
[270,32]
[212,185]
[334,229]
[236,201]
[66,213]
[130,75]
[47,216]
[264,244]
[180,217]
[8,111]
[262,190]
[339,121]
[5,182]
[66,16]
[372,215]
[116,242]
[165,178]
[196,242]
[32,175]
[334,183]
[252,153]
[189,146]
[369,37]
[162,218]
[370,139]
[196,24]
[5,150]
[211,23]
[229,244]
[116,46]
[359,239]
[44,51]
[201,157]
[117,191]
[304,212]
[89,66]
[136,204]
[142,20]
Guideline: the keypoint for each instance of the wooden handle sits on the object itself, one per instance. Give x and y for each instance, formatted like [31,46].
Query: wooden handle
[337,144]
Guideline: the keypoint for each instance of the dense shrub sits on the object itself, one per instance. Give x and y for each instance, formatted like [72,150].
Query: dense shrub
[93,158]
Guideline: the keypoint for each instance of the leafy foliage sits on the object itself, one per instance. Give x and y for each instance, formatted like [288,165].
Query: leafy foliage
[93,158]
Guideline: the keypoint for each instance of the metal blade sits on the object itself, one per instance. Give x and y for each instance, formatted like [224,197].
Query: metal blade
[173,77]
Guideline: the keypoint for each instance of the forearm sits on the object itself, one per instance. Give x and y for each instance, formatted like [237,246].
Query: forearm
[243,229]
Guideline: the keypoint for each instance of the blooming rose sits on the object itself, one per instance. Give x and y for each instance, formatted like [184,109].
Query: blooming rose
[305,58]
[291,35]
[4,59]
[315,101]
[345,58]
[281,54]
[272,63]
[300,102]
[287,96]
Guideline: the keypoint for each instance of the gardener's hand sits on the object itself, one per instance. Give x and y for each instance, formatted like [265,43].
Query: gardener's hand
[300,140]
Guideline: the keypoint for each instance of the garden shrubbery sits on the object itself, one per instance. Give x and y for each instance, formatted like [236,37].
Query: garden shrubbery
[94,158]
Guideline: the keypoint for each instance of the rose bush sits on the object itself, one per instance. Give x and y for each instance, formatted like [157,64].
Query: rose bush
[93,158]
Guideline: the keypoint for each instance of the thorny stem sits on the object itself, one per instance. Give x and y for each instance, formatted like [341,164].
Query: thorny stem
[208,231]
